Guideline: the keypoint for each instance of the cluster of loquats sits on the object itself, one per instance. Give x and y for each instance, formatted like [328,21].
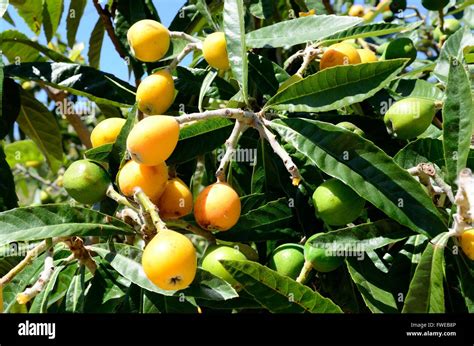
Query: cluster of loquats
[169,259]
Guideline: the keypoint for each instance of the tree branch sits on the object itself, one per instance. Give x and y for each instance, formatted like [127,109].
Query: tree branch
[180,57]
[106,17]
[184,36]
[280,151]
[76,245]
[231,145]
[45,276]
[230,113]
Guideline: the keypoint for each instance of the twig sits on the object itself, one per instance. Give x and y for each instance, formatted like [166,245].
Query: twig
[181,224]
[30,256]
[184,36]
[309,55]
[111,193]
[76,245]
[180,57]
[417,11]
[106,16]
[425,171]
[232,113]
[278,149]
[441,20]
[45,276]
[27,172]
[231,145]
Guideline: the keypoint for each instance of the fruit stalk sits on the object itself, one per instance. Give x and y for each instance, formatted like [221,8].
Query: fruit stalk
[117,197]
[45,276]
[187,37]
[180,57]
[280,151]
[231,145]
[305,271]
[425,171]
[150,209]
[310,54]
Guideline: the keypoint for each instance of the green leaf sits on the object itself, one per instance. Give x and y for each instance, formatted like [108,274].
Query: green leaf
[100,154]
[300,30]
[369,30]
[206,84]
[364,237]
[458,116]
[417,88]
[234,28]
[119,148]
[265,74]
[372,285]
[126,260]
[95,43]
[278,294]
[262,9]
[31,12]
[74,15]
[421,151]
[17,47]
[57,220]
[426,292]
[336,87]
[200,138]
[21,152]
[10,103]
[201,6]
[79,80]
[75,295]
[453,47]
[40,303]
[38,123]
[465,278]
[366,169]
[8,198]
[268,222]
[52,12]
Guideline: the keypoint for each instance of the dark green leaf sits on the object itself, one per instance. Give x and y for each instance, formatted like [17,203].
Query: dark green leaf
[278,293]
[199,138]
[95,43]
[17,47]
[300,30]
[52,12]
[366,169]
[458,116]
[38,123]
[364,237]
[8,198]
[268,222]
[77,79]
[336,87]
[57,220]
[74,15]
[100,154]
[266,75]
[372,285]
[453,47]
[426,292]
[417,88]
[422,150]
[31,12]
[10,105]
[369,30]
